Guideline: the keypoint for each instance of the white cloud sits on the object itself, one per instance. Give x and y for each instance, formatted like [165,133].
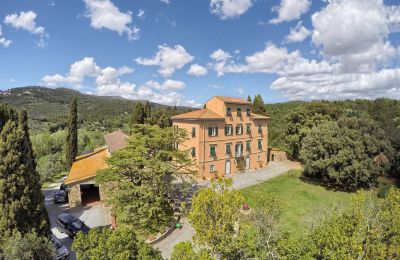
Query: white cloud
[3,41]
[26,21]
[289,10]
[197,70]
[271,60]
[220,55]
[355,33]
[166,1]
[104,14]
[109,83]
[298,33]
[168,59]
[226,9]
[167,85]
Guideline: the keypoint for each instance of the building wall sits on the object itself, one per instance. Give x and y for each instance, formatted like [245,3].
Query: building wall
[202,141]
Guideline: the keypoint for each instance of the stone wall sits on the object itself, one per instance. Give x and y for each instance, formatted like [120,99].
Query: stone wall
[74,195]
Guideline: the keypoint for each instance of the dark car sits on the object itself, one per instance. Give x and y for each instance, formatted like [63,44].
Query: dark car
[60,196]
[62,251]
[71,225]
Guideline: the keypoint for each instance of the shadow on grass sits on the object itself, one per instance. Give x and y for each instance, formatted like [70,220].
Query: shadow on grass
[330,186]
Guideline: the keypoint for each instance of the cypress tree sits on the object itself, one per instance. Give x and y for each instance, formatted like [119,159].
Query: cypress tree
[258,105]
[72,135]
[249,98]
[21,200]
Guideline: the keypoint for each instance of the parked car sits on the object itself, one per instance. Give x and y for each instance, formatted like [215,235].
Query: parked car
[71,225]
[60,196]
[62,252]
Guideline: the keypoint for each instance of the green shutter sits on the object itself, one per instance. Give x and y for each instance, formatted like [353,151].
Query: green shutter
[228,149]
[216,131]
[212,150]
[209,131]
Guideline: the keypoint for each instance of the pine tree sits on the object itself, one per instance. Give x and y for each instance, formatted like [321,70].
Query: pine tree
[147,112]
[258,105]
[21,200]
[138,116]
[72,135]
[249,98]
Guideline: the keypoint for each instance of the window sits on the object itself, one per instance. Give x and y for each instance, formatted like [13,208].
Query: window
[259,145]
[212,131]
[228,129]
[239,111]
[212,168]
[260,130]
[193,131]
[228,111]
[248,111]
[248,146]
[248,128]
[259,158]
[228,149]
[193,152]
[239,149]
[213,150]
[239,129]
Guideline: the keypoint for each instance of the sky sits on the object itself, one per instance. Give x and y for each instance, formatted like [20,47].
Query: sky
[183,52]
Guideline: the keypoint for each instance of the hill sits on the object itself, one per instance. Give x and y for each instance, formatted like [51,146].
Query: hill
[49,108]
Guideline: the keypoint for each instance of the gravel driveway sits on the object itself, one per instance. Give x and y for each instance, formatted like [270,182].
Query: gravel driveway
[240,181]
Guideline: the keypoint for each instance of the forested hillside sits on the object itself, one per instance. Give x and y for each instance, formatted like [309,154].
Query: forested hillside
[47,108]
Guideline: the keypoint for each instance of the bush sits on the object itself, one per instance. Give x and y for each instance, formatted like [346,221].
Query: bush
[384,190]
[27,247]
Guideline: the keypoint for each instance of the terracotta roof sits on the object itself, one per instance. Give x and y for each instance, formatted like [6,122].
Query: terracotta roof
[199,114]
[86,166]
[256,116]
[233,100]
[116,140]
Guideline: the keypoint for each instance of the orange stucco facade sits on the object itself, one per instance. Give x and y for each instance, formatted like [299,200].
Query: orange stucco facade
[209,137]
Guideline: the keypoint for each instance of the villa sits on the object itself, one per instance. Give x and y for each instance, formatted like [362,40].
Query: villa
[225,137]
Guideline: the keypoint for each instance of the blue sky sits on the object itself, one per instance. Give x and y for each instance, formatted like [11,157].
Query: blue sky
[185,51]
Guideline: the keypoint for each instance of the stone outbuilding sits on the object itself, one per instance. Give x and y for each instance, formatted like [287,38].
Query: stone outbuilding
[277,155]
[82,188]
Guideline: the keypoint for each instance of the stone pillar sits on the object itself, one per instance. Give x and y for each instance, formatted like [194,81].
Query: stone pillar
[74,196]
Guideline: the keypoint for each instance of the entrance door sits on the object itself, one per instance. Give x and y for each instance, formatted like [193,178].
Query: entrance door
[247,163]
[227,167]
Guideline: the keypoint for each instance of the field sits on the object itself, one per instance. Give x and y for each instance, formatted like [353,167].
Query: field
[304,203]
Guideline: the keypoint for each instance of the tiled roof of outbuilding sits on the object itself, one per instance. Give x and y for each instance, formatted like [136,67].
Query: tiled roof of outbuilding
[87,165]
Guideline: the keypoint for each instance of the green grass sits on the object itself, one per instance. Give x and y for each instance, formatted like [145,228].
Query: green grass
[304,203]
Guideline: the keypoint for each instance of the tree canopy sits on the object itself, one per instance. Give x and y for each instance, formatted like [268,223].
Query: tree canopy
[217,226]
[258,105]
[21,200]
[144,175]
[113,244]
[27,247]
[343,153]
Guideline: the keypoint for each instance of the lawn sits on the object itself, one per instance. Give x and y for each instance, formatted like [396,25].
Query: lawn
[303,202]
